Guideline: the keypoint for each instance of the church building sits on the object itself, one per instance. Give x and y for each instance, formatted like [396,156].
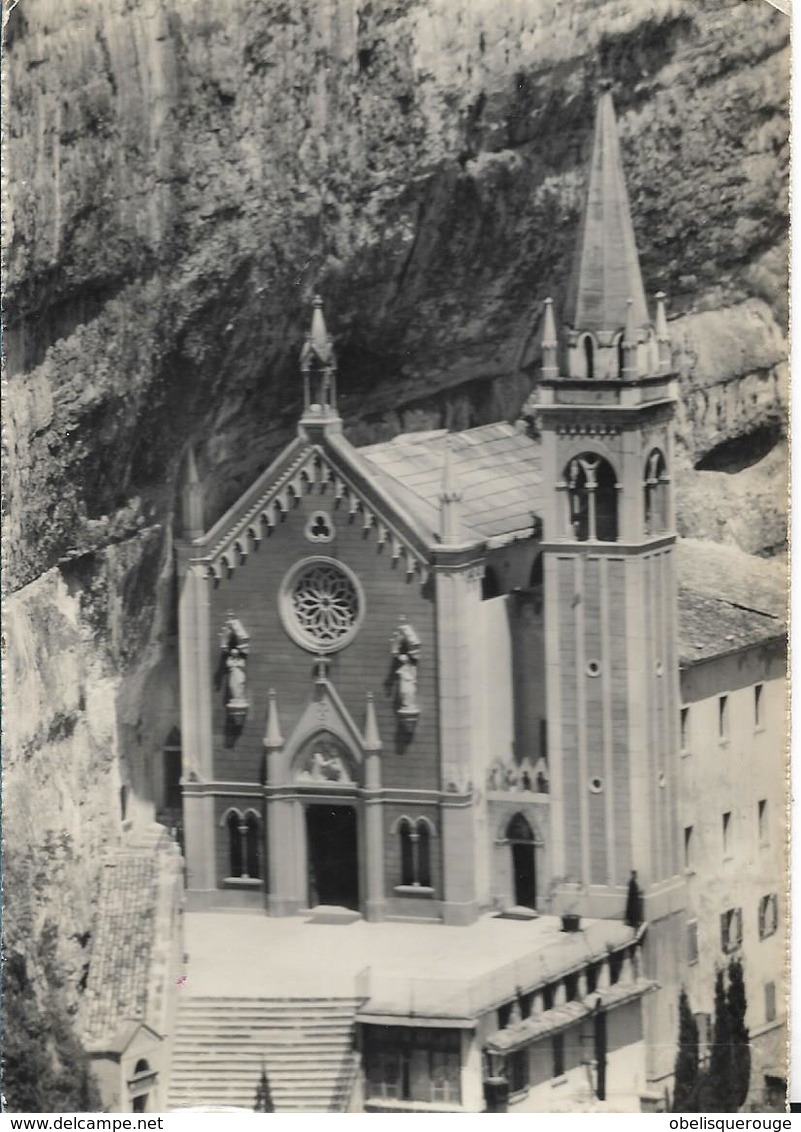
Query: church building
[438,677]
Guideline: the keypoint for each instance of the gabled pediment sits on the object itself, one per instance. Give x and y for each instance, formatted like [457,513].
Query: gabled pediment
[326,746]
[334,472]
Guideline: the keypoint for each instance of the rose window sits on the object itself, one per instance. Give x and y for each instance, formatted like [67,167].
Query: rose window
[322,604]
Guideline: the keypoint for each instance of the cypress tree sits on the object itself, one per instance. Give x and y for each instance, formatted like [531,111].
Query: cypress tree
[686,1071]
[740,1061]
[716,1090]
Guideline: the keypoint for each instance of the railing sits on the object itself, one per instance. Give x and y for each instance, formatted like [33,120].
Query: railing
[385,992]
[444,997]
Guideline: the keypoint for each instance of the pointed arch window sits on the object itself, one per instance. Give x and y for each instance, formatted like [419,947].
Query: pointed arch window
[252,845]
[406,852]
[521,840]
[589,357]
[592,499]
[233,823]
[656,493]
[424,854]
[415,852]
[621,355]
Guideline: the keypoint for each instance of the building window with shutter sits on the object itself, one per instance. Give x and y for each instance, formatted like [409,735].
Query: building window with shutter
[688,848]
[692,941]
[768,915]
[517,1071]
[731,929]
[758,690]
[558,1051]
[762,821]
[684,730]
[413,1065]
[723,718]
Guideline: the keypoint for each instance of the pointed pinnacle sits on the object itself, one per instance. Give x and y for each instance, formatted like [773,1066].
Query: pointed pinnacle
[273,740]
[549,339]
[450,491]
[661,318]
[319,332]
[372,739]
[191,467]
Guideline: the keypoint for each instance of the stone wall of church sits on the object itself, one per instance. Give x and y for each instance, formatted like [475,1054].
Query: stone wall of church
[364,665]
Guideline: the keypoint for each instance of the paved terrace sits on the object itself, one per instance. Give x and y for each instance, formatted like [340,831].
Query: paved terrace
[402,967]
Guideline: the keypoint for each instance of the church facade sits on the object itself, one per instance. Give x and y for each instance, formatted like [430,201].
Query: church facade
[439,676]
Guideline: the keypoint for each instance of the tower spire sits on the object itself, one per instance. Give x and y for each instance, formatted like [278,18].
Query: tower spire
[606,272]
[192,499]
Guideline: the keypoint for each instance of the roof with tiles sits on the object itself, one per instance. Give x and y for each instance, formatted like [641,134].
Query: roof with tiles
[728,600]
[119,973]
[497,469]
[559,1018]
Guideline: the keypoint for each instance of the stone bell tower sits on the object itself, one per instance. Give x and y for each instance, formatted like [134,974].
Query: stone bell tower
[607,402]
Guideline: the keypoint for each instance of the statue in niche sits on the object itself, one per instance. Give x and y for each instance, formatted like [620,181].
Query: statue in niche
[235,665]
[232,670]
[323,760]
[505,775]
[406,657]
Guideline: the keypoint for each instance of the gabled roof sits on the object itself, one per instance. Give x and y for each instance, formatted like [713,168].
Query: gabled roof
[121,989]
[606,271]
[121,951]
[126,1034]
[333,465]
[497,467]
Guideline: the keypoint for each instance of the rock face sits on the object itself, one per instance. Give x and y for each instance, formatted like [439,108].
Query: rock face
[187,175]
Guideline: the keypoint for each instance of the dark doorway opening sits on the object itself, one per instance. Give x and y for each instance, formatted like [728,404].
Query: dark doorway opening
[524,865]
[333,856]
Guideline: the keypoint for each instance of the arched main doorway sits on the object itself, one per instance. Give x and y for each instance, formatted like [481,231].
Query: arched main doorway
[520,836]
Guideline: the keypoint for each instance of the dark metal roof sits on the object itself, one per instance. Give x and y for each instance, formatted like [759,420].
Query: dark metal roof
[496,467]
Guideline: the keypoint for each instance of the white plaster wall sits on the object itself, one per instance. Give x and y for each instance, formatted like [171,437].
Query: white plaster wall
[493,696]
[733,775]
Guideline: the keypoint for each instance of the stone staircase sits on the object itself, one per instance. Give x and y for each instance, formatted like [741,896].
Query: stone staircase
[306,1046]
